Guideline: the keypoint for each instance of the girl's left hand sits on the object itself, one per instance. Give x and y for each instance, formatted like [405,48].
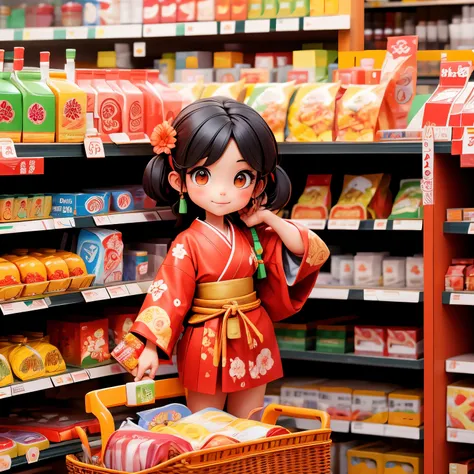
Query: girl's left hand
[252,217]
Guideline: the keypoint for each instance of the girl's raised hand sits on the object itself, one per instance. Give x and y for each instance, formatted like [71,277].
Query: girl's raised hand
[148,360]
[252,217]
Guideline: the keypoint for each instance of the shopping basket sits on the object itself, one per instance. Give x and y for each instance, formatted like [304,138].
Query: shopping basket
[306,452]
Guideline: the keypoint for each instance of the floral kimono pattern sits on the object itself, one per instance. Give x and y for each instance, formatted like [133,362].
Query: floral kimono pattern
[203,254]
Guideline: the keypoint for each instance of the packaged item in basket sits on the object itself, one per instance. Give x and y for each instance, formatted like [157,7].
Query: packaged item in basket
[312,112]
[370,340]
[370,404]
[315,201]
[133,451]
[128,351]
[406,407]
[357,194]
[271,102]
[408,202]
[148,419]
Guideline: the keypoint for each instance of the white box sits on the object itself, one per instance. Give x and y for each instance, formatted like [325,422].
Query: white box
[368,270]
[394,272]
[414,272]
[346,271]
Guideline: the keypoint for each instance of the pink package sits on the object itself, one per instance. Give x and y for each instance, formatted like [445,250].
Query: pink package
[84,81]
[133,451]
[370,340]
[171,98]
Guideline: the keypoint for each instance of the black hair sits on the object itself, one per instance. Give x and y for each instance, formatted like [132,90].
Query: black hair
[203,130]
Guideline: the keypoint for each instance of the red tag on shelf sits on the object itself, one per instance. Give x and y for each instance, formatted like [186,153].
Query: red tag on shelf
[94,147]
[21,166]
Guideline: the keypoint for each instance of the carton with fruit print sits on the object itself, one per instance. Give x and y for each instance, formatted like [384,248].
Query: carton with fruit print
[39,108]
[10,109]
[405,343]
[460,405]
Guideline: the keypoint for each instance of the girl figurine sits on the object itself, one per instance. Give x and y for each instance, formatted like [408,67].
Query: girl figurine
[238,267]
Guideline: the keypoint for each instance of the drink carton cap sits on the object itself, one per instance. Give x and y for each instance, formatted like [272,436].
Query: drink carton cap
[70,54]
[44,56]
[19,52]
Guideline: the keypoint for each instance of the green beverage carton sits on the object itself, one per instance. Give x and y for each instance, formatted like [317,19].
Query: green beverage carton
[10,109]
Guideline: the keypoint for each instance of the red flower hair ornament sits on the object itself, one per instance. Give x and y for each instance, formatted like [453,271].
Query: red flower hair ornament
[163,138]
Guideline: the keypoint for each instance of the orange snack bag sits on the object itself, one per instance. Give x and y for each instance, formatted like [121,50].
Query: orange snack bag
[312,112]
[271,102]
[315,201]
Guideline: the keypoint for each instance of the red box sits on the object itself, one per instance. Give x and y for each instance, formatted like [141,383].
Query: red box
[120,323]
[454,278]
[82,344]
[168,10]
[405,343]
[370,340]
[151,12]
[186,10]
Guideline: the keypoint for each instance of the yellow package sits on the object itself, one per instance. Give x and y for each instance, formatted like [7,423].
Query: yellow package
[25,361]
[367,459]
[315,201]
[403,461]
[52,359]
[271,102]
[371,405]
[312,113]
[232,90]
[357,194]
[406,407]
[358,112]
[189,92]
[6,376]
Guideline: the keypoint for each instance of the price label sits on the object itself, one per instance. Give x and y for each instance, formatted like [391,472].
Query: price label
[7,148]
[5,463]
[461,299]
[380,224]
[227,27]
[96,294]
[288,24]
[327,293]
[77,32]
[5,392]
[408,224]
[23,306]
[63,379]
[139,49]
[200,28]
[118,291]
[367,428]
[32,455]
[343,224]
[32,386]
[460,436]
[80,376]
[257,26]
[106,370]
[101,220]
[134,289]
[94,147]
[64,223]
[314,224]
[470,229]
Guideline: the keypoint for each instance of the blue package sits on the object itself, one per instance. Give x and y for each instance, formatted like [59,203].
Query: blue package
[148,419]
[91,12]
[79,204]
[122,200]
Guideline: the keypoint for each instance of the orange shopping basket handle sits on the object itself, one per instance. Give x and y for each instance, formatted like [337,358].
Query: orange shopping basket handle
[98,403]
[274,411]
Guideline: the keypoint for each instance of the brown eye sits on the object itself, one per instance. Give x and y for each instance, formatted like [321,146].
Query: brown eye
[243,180]
[201,176]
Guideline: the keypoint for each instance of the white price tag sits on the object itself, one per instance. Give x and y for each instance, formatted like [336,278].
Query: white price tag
[408,224]
[64,223]
[5,463]
[159,31]
[5,392]
[380,224]
[327,293]
[340,426]
[288,24]
[374,429]
[96,294]
[77,32]
[460,436]
[134,289]
[326,22]
[405,432]
[132,217]
[227,27]
[23,306]
[32,455]
[101,220]
[461,299]
[139,49]
[105,370]
[94,147]
[32,386]
[200,28]
[314,224]
[80,376]
[27,226]
[399,296]
[38,34]
[118,291]
[63,379]
[343,224]
[257,26]
[7,34]
[370,295]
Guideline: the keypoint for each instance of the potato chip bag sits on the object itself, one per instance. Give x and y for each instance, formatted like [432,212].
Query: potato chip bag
[312,113]
[25,361]
[232,90]
[52,359]
[381,204]
[315,201]
[357,194]
[271,102]
[358,112]
[408,202]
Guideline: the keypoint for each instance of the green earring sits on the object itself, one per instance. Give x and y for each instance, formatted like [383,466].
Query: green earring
[183,205]
[261,272]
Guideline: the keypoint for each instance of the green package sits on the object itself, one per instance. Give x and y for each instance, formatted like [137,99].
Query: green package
[408,203]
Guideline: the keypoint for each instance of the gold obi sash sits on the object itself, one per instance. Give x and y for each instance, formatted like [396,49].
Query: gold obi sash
[229,301]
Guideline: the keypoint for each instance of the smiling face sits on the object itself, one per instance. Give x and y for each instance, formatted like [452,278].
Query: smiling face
[224,187]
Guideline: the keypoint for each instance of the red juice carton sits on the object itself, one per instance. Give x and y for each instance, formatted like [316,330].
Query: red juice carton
[186,10]
[171,99]
[102,252]
[370,340]
[405,343]
[107,107]
[81,343]
[131,102]
[84,81]
[120,323]
[151,12]
[168,11]
[454,278]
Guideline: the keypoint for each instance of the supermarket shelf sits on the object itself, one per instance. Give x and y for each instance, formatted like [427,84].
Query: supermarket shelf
[62,150]
[458,298]
[117,218]
[354,359]
[462,364]
[421,3]
[456,435]
[402,295]
[464,227]
[355,224]
[98,293]
[389,431]
[73,375]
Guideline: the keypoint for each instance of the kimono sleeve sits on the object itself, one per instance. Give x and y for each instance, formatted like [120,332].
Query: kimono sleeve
[169,298]
[290,278]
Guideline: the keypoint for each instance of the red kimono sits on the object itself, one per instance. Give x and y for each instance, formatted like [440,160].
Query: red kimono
[203,254]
